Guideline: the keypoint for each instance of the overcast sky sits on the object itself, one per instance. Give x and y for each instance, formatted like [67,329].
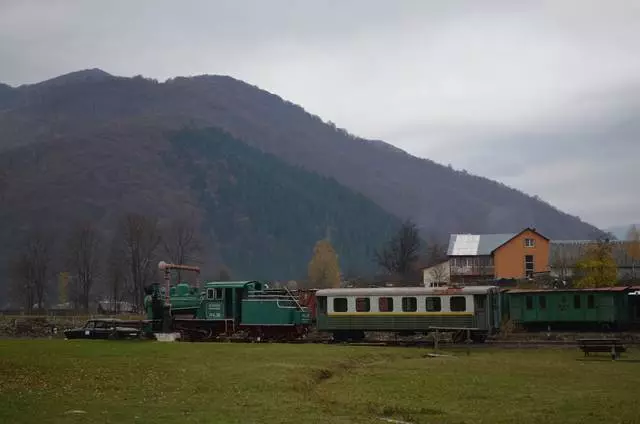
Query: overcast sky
[542,95]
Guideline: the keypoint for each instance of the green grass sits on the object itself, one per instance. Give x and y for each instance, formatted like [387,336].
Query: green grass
[146,382]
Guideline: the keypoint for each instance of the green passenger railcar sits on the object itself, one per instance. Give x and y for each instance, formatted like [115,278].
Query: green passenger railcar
[349,313]
[598,308]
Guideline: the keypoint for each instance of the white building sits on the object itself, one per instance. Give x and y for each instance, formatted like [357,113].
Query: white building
[436,275]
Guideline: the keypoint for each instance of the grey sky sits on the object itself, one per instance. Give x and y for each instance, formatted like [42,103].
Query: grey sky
[544,96]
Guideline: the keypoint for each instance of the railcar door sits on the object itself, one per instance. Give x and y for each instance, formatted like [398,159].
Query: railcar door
[480,307]
[228,303]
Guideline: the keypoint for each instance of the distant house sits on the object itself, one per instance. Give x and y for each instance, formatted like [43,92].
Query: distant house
[475,258]
[564,254]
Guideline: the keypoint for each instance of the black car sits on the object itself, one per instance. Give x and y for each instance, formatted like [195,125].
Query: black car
[112,329]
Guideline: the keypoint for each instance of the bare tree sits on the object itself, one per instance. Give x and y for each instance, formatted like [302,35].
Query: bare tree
[4,183]
[116,273]
[439,273]
[181,243]
[436,253]
[401,253]
[31,269]
[22,288]
[141,238]
[83,254]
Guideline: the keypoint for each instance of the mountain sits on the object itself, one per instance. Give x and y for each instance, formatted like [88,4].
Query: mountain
[86,75]
[92,144]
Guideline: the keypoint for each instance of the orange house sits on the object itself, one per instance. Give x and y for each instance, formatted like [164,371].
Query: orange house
[522,256]
[485,257]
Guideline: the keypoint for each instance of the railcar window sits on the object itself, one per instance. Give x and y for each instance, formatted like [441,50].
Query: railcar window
[576,301]
[385,304]
[209,293]
[340,304]
[529,301]
[458,304]
[409,304]
[433,304]
[543,302]
[363,304]
[218,294]
[591,304]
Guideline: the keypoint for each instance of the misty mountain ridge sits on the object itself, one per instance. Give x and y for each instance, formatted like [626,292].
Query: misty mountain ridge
[89,132]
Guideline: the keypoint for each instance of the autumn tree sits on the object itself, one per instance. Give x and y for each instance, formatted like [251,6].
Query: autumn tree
[31,268]
[181,243]
[83,256]
[633,247]
[597,267]
[401,253]
[141,238]
[324,270]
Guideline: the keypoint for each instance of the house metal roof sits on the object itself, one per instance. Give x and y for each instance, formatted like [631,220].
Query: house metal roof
[476,244]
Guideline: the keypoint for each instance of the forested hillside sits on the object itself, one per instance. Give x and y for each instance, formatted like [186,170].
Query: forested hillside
[261,178]
[265,214]
[441,200]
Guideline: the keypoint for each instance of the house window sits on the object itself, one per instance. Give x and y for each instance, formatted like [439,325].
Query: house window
[543,302]
[458,304]
[529,302]
[528,266]
[409,304]
[528,242]
[363,304]
[591,304]
[433,304]
[340,304]
[576,301]
[385,304]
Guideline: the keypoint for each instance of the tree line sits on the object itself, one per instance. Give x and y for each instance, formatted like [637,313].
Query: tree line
[122,265]
[401,259]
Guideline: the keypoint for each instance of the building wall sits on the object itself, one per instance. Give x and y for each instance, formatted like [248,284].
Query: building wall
[436,274]
[509,259]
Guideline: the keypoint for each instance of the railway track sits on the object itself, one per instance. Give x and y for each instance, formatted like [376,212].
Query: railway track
[502,344]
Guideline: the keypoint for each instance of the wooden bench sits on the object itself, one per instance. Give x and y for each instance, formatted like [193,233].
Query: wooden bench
[611,346]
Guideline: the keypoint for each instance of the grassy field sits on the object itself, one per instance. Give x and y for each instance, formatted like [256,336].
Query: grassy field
[49,381]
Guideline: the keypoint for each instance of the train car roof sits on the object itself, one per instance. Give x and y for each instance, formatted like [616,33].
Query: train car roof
[566,290]
[230,284]
[406,291]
